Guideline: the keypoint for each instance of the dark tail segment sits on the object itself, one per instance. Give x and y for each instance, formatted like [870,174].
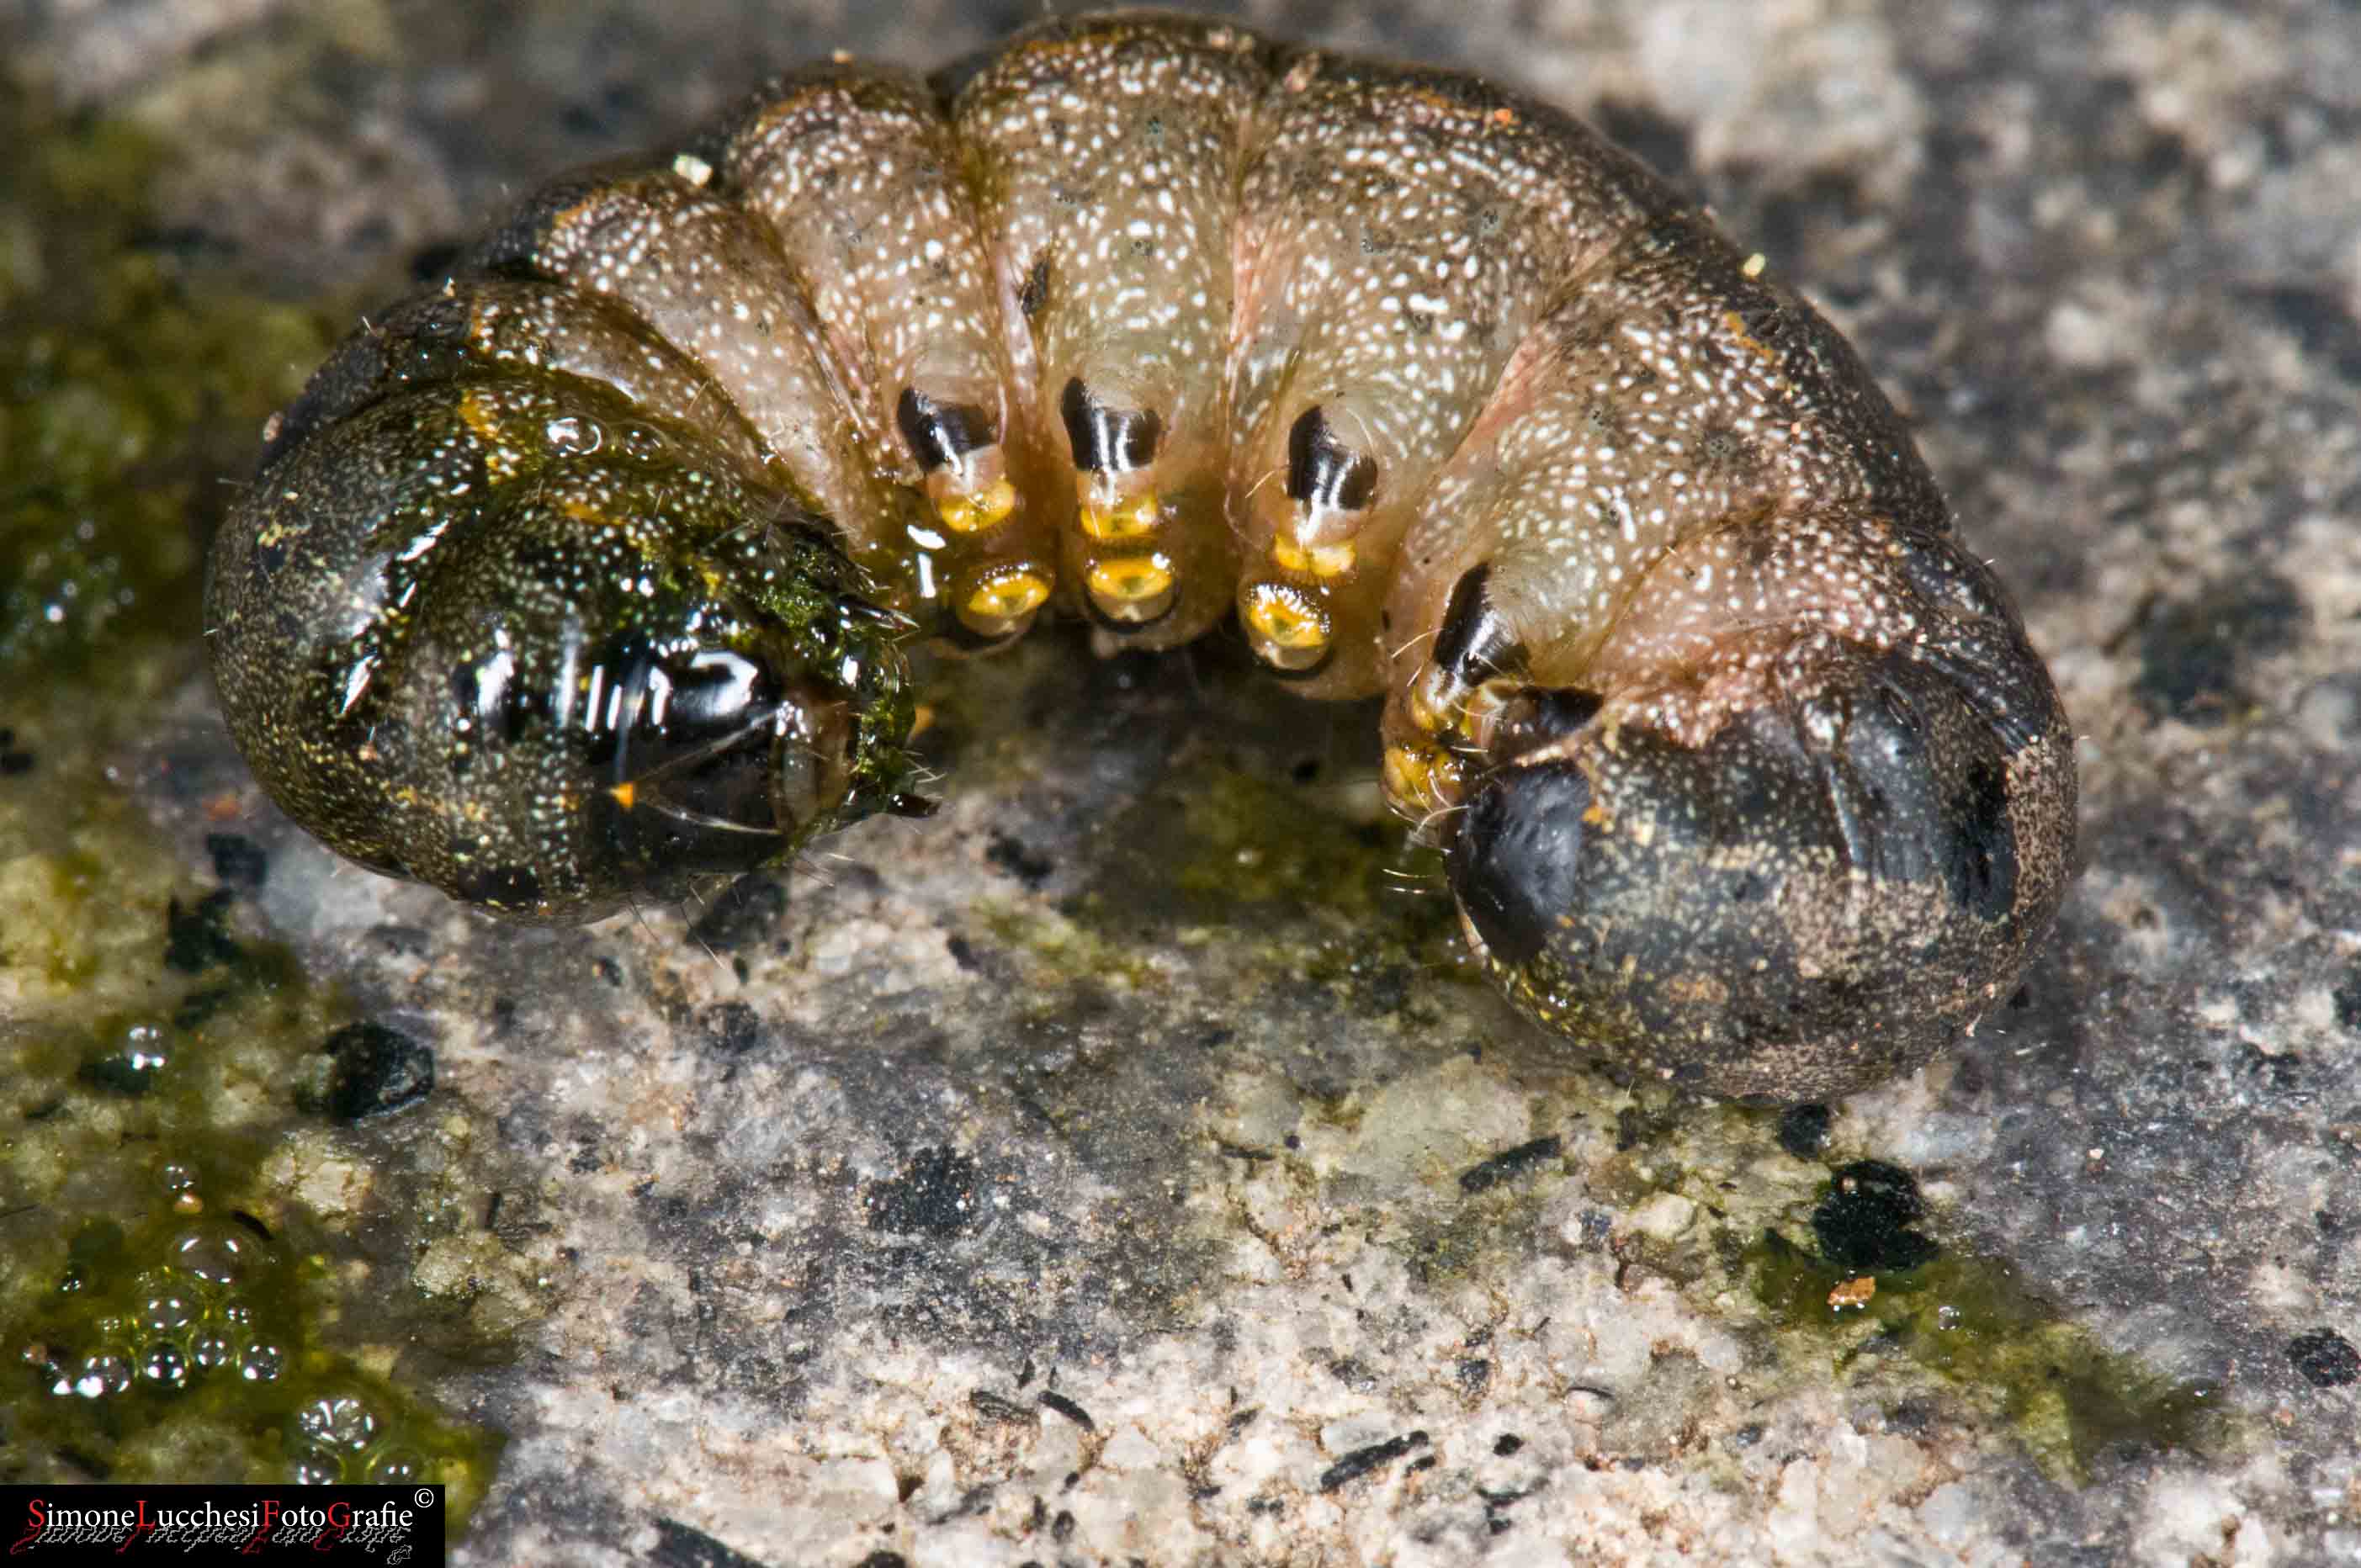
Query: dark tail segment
[1822,895]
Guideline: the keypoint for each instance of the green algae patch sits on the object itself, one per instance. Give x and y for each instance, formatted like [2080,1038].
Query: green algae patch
[183,1344]
[174,1301]
[1249,840]
[1064,952]
[1973,1322]
[1215,851]
[171,1304]
[133,382]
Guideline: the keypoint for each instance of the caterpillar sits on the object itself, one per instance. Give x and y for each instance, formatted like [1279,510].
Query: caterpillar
[591,570]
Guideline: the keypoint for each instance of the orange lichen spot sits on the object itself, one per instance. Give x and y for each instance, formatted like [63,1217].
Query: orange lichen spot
[1854,1292]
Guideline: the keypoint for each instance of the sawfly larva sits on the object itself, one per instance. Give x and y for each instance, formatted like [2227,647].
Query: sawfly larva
[589,570]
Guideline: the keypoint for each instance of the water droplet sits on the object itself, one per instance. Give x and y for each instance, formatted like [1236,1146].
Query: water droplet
[163,1366]
[314,1466]
[339,1421]
[211,1350]
[217,1253]
[106,1372]
[165,1309]
[260,1362]
[396,1466]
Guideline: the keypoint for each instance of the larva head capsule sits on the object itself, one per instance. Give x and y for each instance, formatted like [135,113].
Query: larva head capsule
[540,659]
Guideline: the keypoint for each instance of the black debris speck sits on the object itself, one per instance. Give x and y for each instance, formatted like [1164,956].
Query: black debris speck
[1804,1130]
[1475,1375]
[1865,1219]
[1510,1163]
[2325,1358]
[14,760]
[1507,1443]
[237,860]
[730,1029]
[197,937]
[1361,1460]
[962,952]
[935,1195]
[1000,1407]
[1010,856]
[684,1546]
[376,1072]
[1053,1400]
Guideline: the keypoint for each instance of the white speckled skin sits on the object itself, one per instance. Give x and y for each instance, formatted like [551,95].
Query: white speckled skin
[1746,773]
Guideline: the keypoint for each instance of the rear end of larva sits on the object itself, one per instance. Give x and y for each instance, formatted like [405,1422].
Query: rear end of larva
[586,570]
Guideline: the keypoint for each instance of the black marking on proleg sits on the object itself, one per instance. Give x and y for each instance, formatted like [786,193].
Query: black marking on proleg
[1108,440]
[1516,857]
[1475,643]
[939,434]
[1323,473]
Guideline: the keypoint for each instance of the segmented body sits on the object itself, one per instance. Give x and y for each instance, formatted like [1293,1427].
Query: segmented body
[1746,773]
